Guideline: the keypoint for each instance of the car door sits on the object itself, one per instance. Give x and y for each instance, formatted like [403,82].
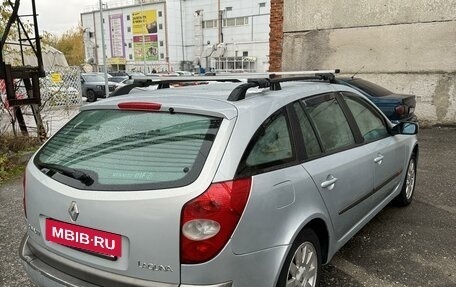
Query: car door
[283,194]
[339,166]
[387,154]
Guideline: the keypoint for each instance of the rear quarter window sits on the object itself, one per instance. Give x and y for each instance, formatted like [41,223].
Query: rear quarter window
[131,150]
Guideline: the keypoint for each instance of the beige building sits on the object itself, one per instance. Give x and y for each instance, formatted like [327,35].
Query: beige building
[408,46]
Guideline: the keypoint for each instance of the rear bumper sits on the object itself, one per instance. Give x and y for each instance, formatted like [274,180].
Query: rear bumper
[45,275]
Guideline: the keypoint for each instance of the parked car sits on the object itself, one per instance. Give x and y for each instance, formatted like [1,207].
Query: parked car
[118,79]
[58,94]
[227,185]
[184,73]
[397,107]
[126,74]
[93,86]
[125,82]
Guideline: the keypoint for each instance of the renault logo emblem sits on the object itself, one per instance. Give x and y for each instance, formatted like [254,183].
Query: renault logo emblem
[73,211]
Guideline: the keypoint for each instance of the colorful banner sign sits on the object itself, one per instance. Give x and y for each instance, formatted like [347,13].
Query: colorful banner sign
[149,47]
[144,22]
[117,36]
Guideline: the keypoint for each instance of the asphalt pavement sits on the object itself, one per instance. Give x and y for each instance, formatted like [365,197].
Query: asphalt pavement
[412,246]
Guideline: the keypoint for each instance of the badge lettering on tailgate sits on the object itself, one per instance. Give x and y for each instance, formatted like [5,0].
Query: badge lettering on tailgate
[154,267]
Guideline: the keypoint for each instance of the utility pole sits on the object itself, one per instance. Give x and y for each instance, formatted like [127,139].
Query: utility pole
[103,46]
[142,32]
[28,74]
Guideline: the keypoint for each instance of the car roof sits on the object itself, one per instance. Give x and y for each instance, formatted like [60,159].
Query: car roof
[212,99]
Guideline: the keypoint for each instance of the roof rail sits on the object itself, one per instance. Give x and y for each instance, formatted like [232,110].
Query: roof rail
[260,80]
[164,82]
[274,84]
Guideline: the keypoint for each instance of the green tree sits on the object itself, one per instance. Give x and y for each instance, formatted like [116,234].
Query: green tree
[5,13]
[71,44]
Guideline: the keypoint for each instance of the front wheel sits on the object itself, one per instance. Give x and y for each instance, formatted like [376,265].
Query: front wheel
[302,267]
[91,97]
[405,197]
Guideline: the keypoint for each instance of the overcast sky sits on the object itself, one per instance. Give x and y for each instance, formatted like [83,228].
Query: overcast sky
[57,16]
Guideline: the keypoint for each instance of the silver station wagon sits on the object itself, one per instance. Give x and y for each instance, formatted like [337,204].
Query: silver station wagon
[220,185]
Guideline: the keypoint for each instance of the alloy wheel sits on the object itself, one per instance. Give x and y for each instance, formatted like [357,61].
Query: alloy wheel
[303,267]
[410,181]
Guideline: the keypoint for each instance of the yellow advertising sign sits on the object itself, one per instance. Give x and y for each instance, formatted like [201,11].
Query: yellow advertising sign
[56,77]
[144,22]
[116,61]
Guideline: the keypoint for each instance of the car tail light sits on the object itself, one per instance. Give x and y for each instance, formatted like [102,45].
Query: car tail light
[209,220]
[141,106]
[401,110]
[24,194]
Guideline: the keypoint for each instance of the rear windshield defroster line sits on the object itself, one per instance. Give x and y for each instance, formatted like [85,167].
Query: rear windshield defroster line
[130,150]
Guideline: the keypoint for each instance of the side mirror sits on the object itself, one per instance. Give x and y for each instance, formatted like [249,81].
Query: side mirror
[406,128]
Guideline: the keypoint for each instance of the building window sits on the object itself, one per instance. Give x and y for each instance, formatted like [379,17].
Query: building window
[130,57]
[262,4]
[129,29]
[210,24]
[161,43]
[229,9]
[160,26]
[160,14]
[231,22]
[129,45]
[240,21]
[245,53]
[128,17]
[162,56]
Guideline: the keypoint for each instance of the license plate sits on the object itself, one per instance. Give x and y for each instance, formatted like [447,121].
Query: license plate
[84,238]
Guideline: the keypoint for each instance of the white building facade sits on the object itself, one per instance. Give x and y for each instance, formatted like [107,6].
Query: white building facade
[171,35]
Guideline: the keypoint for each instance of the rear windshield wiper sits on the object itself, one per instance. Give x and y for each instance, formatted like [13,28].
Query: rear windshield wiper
[70,172]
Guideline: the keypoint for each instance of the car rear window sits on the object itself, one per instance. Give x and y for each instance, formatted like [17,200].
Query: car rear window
[130,150]
[371,88]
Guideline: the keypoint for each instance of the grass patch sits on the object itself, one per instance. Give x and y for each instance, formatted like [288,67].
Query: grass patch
[13,152]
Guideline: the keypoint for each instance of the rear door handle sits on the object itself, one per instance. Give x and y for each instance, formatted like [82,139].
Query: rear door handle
[329,183]
[379,159]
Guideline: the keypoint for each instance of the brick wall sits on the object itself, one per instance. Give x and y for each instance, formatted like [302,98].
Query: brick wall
[276,36]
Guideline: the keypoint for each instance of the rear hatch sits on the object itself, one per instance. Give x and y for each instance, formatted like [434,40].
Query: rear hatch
[395,106]
[408,103]
[107,190]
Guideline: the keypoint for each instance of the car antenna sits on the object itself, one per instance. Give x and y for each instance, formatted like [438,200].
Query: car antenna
[357,72]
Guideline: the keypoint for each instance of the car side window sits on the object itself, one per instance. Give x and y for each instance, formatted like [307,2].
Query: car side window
[330,122]
[272,145]
[370,123]
[310,139]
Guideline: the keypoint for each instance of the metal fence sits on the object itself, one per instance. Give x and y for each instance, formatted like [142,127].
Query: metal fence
[61,88]
[60,97]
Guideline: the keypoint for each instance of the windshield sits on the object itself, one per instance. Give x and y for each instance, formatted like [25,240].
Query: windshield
[93,78]
[130,150]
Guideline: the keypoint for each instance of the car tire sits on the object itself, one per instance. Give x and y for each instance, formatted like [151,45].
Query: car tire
[408,187]
[301,270]
[91,97]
